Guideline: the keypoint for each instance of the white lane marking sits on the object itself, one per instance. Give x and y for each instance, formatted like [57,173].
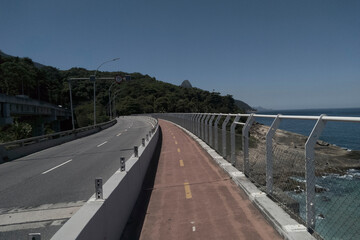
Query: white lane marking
[194,228]
[102,144]
[57,166]
[118,134]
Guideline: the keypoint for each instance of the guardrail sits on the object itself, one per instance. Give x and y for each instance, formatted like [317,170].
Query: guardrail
[16,149]
[289,174]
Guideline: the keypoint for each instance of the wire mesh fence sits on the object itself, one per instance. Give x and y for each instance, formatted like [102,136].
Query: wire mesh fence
[289,175]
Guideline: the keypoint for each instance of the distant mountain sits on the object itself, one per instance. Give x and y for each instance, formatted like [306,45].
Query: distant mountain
[4,54]
[244,106]
[261,109]
[36,64]
[186,84]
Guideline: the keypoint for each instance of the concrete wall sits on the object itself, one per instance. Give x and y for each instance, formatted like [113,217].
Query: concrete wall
[106,219]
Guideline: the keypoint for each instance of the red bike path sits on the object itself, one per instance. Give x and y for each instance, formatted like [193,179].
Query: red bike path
[193,198]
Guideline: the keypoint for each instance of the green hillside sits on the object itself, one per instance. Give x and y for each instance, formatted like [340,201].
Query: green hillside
[142,94]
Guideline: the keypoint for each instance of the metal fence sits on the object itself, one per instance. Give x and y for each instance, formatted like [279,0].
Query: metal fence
[303,174]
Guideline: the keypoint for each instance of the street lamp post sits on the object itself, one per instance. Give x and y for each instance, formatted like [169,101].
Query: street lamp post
[71,105]
[93,78]
[114,100]
[110,113]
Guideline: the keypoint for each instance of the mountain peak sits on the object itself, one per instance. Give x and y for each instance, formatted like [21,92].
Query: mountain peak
[186,84]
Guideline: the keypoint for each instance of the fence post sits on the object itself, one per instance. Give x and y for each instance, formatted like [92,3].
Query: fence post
[211,130]
[245,139]
[190,122]
[224,135]
[136,151]
[203,126]
[34,236]
[199,125]
[183,116]
[122,164]
[187,121]
[269,155]
[98,188]
[207,128]
[232,139]
[193,123]
[216,132]
[310,172]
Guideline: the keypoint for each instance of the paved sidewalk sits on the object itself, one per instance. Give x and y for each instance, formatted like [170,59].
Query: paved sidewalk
[194,199]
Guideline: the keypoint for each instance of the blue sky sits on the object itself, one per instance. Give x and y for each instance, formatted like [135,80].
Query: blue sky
[277,54]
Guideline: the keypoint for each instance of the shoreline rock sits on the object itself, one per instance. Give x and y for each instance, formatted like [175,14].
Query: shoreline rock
[289,158]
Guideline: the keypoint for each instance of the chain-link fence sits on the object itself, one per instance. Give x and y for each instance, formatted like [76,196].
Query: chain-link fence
[316,182]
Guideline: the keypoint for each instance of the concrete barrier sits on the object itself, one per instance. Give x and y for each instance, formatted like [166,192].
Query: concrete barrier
[17,149]
[106,219]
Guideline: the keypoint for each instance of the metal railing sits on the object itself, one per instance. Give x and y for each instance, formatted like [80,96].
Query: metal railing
[288,174]
[34,140]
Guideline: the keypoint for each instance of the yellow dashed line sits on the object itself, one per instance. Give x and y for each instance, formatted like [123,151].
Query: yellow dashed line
[176,142]
[178,150]
[173,137]
[187,191]
[181,163]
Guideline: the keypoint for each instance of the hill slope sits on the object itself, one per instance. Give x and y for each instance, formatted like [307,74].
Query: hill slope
[242,105]
[36,64]
[143,94]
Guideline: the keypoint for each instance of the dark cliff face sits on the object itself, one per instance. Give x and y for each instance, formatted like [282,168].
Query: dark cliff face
[186,84]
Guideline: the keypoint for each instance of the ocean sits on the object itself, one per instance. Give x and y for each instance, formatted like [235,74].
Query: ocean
[337,208]
[342,134]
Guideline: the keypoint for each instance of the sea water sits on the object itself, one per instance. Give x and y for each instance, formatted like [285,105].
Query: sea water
[337,208]
[342,134]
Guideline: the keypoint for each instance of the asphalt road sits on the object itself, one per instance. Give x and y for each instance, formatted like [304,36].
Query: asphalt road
[40,192]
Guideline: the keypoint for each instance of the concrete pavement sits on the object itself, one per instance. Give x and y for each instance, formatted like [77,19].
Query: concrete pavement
[192,198]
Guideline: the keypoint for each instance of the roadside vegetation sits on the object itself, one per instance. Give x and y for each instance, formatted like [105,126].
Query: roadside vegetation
[141,94]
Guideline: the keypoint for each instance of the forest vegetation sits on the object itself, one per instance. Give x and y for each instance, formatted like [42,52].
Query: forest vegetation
[142,94]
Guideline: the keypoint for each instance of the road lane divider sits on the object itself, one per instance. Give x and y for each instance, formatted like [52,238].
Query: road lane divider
[187,190]
[178,150]
[57,166]
[181,163]
[151,124]
[176,142]
[118,134]
[101,144]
